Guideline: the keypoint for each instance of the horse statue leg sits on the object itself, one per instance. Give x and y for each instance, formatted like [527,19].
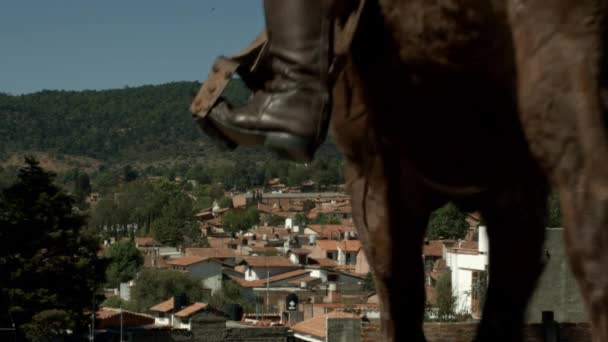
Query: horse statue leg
[387,202]
[558,45]
[515,216]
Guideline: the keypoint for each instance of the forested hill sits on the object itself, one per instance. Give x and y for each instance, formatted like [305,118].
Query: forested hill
[146,124]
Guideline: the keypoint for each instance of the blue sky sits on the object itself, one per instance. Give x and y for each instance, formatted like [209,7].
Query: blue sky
[87,44]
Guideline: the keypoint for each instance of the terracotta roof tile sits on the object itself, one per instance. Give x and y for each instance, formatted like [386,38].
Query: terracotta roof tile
[316,326]
[146,241]
[300,250]
[221,242]
[190,310]
[324,262]
[278,277]
[165,306]
[110,318]
[218,253]
[331,230]
[434,248]
[270,261]
[186,261]
[333,245]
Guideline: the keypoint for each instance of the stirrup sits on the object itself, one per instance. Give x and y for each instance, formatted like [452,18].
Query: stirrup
[232,81]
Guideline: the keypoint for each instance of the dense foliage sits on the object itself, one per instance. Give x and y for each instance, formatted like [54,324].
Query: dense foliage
[147,123]
[49,270]
[234,221]
[447,222]
[153,286]
[125,262]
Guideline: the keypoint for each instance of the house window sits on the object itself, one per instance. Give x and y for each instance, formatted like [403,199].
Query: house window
[330,255]
[348,259]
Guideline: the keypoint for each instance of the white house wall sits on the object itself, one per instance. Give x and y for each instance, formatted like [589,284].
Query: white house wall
[319,273]
[461,287]
[462,267]
[209,273]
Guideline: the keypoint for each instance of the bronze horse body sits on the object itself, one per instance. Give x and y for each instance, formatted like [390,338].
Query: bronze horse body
[486,104]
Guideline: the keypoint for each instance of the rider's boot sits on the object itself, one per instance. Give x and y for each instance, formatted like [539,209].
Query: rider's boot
[290,115]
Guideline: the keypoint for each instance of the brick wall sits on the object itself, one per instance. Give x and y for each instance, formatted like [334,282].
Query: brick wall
[464,332]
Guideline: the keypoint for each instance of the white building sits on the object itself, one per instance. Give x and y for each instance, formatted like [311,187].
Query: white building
[468,262]
[207,270]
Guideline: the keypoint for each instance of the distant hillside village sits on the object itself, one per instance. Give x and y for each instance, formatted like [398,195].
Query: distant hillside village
[291,275]
[170,259]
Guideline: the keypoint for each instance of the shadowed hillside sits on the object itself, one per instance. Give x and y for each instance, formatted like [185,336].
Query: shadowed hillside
[147,124]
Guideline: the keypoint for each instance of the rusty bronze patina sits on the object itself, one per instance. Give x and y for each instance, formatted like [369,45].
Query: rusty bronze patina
[487,104]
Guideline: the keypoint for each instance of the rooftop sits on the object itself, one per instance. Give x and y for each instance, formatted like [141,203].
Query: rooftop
[346,245]
[165,306]
[220,253]
[146,242]
[268,261]
[191,310]
[263,282]
[302,195]
[317,326]
[186,261]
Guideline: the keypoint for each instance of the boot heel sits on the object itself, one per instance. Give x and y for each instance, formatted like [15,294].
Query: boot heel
[290,146]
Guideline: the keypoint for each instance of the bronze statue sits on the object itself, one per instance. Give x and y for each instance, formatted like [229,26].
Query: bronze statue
[486,104]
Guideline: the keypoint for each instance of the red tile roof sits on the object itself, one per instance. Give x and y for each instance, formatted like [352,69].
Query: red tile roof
[333,245]
[221,242]
[191,310]
[268,261]
[165,306]
[324,262]
[110,318]
[146,241]
[300,251]
[278,277]
[218,253]
[317,326]
[331,230]
[239,201]
[186,261]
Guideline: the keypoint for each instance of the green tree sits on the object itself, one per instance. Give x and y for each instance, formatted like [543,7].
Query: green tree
[225,202]
[125,262]
[50,269]
[116,302]
[308,205]
[49,324]
[129,174]
[231,293]
[176,232]
[236,220]
[275,220]
[446,300]
[447,222]
[153,286]
[301,219]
